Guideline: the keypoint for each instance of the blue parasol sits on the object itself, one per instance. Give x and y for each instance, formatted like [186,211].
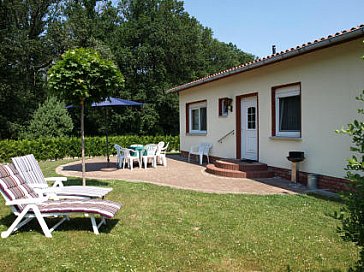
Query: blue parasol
[115,102]
[111,102]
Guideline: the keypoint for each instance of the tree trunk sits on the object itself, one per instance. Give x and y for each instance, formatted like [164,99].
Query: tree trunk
[83,142]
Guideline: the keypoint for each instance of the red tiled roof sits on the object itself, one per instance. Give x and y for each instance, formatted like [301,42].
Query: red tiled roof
[339,37]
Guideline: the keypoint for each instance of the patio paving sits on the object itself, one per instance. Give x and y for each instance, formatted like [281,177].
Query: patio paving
[181,174]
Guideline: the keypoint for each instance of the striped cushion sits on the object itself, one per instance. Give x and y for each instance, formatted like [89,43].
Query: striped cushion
[102,207]
[13,185]
[29,169]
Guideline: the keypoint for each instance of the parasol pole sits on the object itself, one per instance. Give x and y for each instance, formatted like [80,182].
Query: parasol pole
[107,137]
[83,142]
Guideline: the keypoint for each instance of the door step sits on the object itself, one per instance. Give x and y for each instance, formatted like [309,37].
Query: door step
[238,169]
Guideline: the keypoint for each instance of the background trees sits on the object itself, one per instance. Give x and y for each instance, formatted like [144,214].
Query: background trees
[155,43]
[24,55]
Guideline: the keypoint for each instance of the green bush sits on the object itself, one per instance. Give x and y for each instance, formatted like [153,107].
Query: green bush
[352,215]
[51,118]
[62,147]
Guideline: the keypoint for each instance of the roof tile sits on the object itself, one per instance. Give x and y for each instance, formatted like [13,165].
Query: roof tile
[261,60]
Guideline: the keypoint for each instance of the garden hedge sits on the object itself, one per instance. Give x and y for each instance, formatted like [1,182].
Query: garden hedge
[63,147]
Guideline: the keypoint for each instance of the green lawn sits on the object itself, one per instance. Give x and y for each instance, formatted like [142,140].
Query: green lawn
[164,229]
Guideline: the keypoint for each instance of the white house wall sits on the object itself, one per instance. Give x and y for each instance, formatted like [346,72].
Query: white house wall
[330,80]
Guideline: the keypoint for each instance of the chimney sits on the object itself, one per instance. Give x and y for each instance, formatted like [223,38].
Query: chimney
[273,49]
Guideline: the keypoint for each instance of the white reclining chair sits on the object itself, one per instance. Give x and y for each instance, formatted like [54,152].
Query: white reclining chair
[30,171]
[200,150]
[26,204]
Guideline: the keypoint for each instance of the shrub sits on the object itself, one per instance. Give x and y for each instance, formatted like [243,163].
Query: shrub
[352,215]
[51,119]
[62,147]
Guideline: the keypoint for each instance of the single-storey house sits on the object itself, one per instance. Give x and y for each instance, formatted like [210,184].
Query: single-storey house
[292,100]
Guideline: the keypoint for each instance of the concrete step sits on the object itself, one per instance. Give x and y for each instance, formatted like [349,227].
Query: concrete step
[212,169]
[232,173]
[241,166]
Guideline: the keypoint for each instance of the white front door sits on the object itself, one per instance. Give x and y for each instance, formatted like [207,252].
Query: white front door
[249,137]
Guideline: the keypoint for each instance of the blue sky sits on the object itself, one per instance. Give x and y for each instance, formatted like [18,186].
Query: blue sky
[255,25]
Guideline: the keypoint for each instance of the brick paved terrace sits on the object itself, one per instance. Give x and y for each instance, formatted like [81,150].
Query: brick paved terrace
[183,175]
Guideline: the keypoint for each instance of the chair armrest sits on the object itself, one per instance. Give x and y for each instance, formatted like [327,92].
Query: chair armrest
[40,191]
[38,185]
[58,181]
[26,201]
[134,152]
[206,151]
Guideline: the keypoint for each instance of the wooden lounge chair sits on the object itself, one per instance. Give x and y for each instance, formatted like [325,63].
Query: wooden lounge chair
[26,204]
[29,170]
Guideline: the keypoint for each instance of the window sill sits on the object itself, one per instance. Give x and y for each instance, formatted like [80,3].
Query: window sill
[196,134]
[285,138]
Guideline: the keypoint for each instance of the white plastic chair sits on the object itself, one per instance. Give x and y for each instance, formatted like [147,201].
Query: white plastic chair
[161,153]
[120,159]
[130,156]
[200,150]
[149,153]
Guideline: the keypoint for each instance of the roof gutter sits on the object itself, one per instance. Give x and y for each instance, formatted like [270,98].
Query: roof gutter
[299,50]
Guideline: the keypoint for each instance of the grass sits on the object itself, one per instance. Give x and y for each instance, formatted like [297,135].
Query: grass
[164,229]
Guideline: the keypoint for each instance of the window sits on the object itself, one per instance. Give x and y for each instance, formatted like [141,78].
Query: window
[251,118]
[197,113]
[287,111]
[223,107]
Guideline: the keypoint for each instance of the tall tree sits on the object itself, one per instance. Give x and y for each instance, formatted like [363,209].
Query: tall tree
[83,23]
[159,45]
[24,55]
[156,44]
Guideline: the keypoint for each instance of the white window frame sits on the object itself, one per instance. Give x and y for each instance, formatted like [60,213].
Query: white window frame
[197,106]
[288,91]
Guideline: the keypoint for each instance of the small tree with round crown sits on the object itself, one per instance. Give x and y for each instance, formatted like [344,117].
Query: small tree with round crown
[82,77]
